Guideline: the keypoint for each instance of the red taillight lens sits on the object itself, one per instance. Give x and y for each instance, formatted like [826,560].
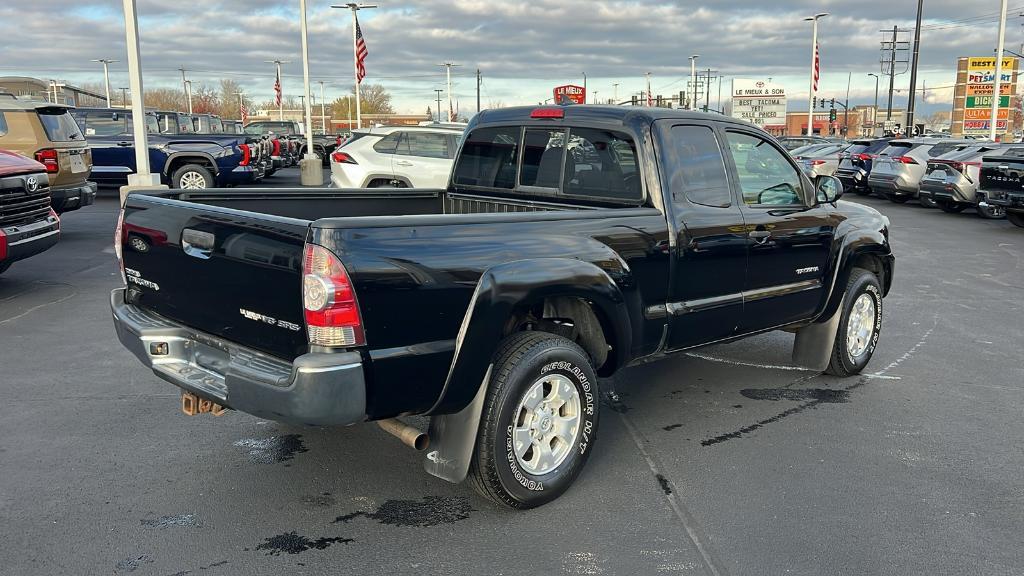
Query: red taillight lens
[547,113]
[246,154]
[48,157]
[332,313]
[277,147]
[864,157]
[907,160]
[3,246]
[817,162]
[342,158]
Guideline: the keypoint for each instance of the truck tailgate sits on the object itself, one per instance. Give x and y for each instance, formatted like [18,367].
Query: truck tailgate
[229,273]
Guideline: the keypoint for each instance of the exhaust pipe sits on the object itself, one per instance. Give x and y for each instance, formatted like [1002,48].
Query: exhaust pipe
[410,436]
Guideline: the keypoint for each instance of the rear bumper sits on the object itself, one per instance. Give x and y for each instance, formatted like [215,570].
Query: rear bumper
[27,240]
[892,184]
[1014,202]
[239,175]
[67,198]
[317,389]
[948,192]
[853,178]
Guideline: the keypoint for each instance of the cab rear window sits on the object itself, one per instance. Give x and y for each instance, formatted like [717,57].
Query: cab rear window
[59,125]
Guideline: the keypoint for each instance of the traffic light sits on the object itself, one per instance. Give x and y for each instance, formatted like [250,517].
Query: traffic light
[832,114]
[815,104]
[833,103]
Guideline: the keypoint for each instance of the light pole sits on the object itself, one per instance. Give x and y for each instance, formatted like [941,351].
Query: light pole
[448,75]
[188,95]
[913,71]
[438,91]
[355,7]
[874,113]
[615,93]
[124,96]
[323,107]
[142,175]
[814,69]
[999,71]
[184,86]
[584,87]
[693,80]
[106,75]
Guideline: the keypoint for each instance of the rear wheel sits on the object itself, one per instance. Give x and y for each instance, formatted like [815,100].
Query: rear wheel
[539,421]
[861,191]
[859,324]
[899,199]
[927,201]
[1016,218]
[192,177]
[991,212]
[951,207]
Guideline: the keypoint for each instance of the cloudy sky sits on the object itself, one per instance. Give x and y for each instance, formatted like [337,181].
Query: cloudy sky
[521,48]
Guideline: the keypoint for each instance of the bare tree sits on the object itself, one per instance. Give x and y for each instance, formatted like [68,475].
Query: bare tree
[373,99]
[494,104]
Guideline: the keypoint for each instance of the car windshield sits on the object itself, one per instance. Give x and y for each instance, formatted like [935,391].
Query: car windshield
[60,125]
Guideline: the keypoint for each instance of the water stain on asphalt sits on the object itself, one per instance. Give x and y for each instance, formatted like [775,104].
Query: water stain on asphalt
[320,500]
[133,563]
[663,482]
[274,449]
[671,427]
[429,511]
[165,521]
[293,543]
[824,395]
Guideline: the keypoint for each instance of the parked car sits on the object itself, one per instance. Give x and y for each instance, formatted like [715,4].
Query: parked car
[207,124]
[48,133]
[951,181]
[1002,181]
[190,161]
[28,224]
[821,160]
[897,170]
[171,122]
[855,163]
[396,157]
[493,305]
[794,142]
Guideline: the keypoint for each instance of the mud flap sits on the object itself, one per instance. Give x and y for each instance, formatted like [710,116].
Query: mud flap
[453,437]
[813,345]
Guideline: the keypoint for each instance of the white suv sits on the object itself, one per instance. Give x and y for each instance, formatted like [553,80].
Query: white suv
[396,156]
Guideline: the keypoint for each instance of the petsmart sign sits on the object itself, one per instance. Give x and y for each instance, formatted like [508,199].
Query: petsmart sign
[758,102]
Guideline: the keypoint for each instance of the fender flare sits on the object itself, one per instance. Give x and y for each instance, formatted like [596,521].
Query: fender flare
[501,290]
[190,153]
[856,243]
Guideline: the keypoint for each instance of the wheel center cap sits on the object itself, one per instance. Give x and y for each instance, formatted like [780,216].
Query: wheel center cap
[545,424]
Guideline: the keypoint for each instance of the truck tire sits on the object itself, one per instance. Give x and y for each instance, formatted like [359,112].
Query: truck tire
[899,199]
[951,207]
[927,201]
[539,421]
[859,325]
[861,191]
[192,177]
[1016,218]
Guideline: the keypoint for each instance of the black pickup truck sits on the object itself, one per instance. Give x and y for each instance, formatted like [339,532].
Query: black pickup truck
[1002,182]
[571,242]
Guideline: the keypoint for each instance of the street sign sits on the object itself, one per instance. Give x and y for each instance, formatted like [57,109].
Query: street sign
[576,94]
[759,102]
[985,113]
[978,94]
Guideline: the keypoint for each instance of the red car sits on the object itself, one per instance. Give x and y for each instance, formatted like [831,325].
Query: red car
[28,225]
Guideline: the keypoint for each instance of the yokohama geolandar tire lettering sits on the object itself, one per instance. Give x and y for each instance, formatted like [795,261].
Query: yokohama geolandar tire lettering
[540,384]
[859,325]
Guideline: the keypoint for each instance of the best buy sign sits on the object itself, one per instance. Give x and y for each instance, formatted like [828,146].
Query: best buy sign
[986,102]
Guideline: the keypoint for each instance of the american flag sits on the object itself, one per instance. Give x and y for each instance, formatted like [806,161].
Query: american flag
[361,53]
[277,89]
[244,112]
[816,65]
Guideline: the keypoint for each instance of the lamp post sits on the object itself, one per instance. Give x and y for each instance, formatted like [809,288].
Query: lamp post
[188,95]
[693,80]
[584,87]
[323,107]
[106,75]
[814,62]
[999,71]
[874,113]
[355,7]
[142,175]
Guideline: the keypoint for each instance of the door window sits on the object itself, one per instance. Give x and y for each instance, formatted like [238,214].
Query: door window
[424,144]
[766,177]
[698,167]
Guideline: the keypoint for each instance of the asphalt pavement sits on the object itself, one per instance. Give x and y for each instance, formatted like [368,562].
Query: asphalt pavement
[724,460]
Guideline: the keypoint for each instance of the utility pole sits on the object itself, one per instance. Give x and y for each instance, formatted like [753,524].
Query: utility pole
[913,68]
[106,75]
[707,90]
[693,80]
[890,58]
[874,113]
[477,90]
[448,76]
[184,87]
[814,70]
[124,96]
[615,93]
[999,72]
[584,87]
[846,106]
[438,91]
[323,107]
[188,95]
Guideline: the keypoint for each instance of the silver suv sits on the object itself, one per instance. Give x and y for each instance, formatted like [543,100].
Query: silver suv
[952,181]
[898,169]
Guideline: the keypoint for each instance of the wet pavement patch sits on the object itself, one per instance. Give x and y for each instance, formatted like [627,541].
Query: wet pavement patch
[133,563]
[430,511]
[663,482]
[274,449]
[823,395]
[324,499]
[292,543]
[671,427]
[165,521]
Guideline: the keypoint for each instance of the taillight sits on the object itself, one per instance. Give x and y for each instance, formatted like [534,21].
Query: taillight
[48,157]
[3,246]
[906,160]
[277,147]
[342,158]
[246,154]
[864,157]
[118,244]
[817,162]
[547,113]
[331,310]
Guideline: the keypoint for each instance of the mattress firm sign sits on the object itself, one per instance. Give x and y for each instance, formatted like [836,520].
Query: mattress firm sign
[758,102]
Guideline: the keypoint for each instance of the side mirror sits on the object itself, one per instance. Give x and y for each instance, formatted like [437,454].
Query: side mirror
[828,189]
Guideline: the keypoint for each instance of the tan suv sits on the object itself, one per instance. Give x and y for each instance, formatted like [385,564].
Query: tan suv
[49,134]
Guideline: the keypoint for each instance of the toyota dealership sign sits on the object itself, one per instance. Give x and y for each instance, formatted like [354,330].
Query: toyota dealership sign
[759,102]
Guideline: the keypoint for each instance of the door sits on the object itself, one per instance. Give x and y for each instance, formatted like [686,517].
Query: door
[788,235]
[709,263]
[423,159]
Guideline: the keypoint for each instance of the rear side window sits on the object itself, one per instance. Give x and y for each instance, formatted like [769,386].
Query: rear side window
[105,123]
[388,144]
[698,167]
[601,164]
[60,125]
[488,158]
[3,124]
[424,144]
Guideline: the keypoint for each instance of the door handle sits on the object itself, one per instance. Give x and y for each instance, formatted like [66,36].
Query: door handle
[403,163]
[124,143]
[759,236]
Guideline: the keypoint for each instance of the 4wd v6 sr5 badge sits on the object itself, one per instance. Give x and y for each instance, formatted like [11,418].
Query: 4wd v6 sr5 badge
[269,320]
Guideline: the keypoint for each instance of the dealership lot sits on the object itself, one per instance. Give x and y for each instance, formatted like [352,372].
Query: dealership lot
[721,461]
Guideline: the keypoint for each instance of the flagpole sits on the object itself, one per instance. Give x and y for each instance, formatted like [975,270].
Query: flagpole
[354,7]
[814,62]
